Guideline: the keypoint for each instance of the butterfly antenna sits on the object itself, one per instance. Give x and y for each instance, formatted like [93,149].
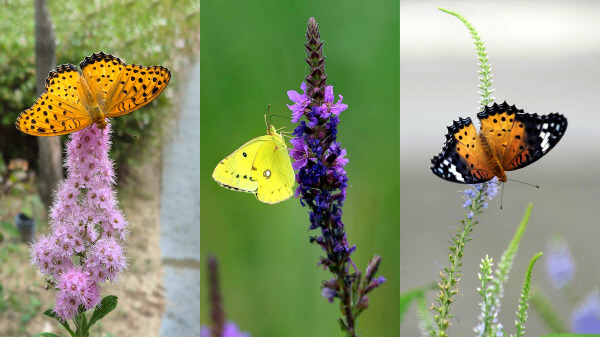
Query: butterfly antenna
[516,181]
[501,195]
[268,115]
[132,135]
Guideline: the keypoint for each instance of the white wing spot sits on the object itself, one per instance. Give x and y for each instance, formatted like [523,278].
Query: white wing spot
[267,174]
[452,170]
[545,143]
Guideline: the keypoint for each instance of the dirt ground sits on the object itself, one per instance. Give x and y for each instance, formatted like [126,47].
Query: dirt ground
[141,301]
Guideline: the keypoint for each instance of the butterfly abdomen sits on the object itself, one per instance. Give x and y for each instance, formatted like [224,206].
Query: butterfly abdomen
[99,118]
[492,160]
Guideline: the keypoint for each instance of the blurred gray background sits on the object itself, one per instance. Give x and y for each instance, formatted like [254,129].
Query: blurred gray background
[545,58]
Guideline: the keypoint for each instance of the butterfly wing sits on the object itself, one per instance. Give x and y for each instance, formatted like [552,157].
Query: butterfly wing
[519,138]
[235,171]
[123,88]
[274,172]
[463,159]
[102,72]
[59,110]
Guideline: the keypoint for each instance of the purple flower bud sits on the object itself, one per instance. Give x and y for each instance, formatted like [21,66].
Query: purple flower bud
[328,293]
[229,330]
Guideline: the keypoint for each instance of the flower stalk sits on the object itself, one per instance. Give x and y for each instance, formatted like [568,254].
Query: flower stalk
[319,160]
[486,68]
[84,247]
[474,205]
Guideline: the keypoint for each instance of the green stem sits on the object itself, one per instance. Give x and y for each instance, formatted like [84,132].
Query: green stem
[551,318]
[486,69]
[447,285]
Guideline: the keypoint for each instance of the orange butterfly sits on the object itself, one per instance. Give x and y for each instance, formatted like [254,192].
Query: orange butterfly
[106,88]
[509,139]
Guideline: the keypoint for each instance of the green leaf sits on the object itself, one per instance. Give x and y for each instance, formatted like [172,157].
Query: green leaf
[84,324]
[343,326]
[48,334]
[51,313]
[108,304]
[547,313]
[506,261]
[572,335]
[408,297]
[9,228]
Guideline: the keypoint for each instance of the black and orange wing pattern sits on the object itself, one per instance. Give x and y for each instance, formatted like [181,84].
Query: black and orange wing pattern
[520,138]
[462,159]
[509,138]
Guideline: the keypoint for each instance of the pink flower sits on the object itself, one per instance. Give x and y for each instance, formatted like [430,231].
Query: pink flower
[299,152]
[66,306]
[108,260]
[301,102]
[83,248]
[328,108]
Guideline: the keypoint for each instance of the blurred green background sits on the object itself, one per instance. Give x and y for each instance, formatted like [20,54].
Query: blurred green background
[252,53]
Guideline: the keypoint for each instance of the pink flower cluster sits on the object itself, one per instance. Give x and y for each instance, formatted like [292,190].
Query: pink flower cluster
[83,248]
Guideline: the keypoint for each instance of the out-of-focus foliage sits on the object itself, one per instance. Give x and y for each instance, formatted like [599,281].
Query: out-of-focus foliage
[158,32]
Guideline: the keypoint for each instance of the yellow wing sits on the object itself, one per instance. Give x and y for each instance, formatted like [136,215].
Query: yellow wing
[261,166]
[235,171]
[59,110]
[274,171]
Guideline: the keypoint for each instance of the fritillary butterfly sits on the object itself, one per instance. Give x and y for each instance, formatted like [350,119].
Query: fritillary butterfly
[106,88]
[509,139]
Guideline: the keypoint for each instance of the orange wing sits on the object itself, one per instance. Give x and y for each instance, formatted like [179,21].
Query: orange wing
[463,158]
[510,139]
[123,88]
[519,138]
[107,87]
[59,110]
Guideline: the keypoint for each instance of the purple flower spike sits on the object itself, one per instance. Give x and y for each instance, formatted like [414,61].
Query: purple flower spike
[560,266]
[84,247]
[322,182]
[489,189]
[586,318]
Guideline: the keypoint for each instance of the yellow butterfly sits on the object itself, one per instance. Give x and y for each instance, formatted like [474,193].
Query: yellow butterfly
[261,166]
[106,88]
